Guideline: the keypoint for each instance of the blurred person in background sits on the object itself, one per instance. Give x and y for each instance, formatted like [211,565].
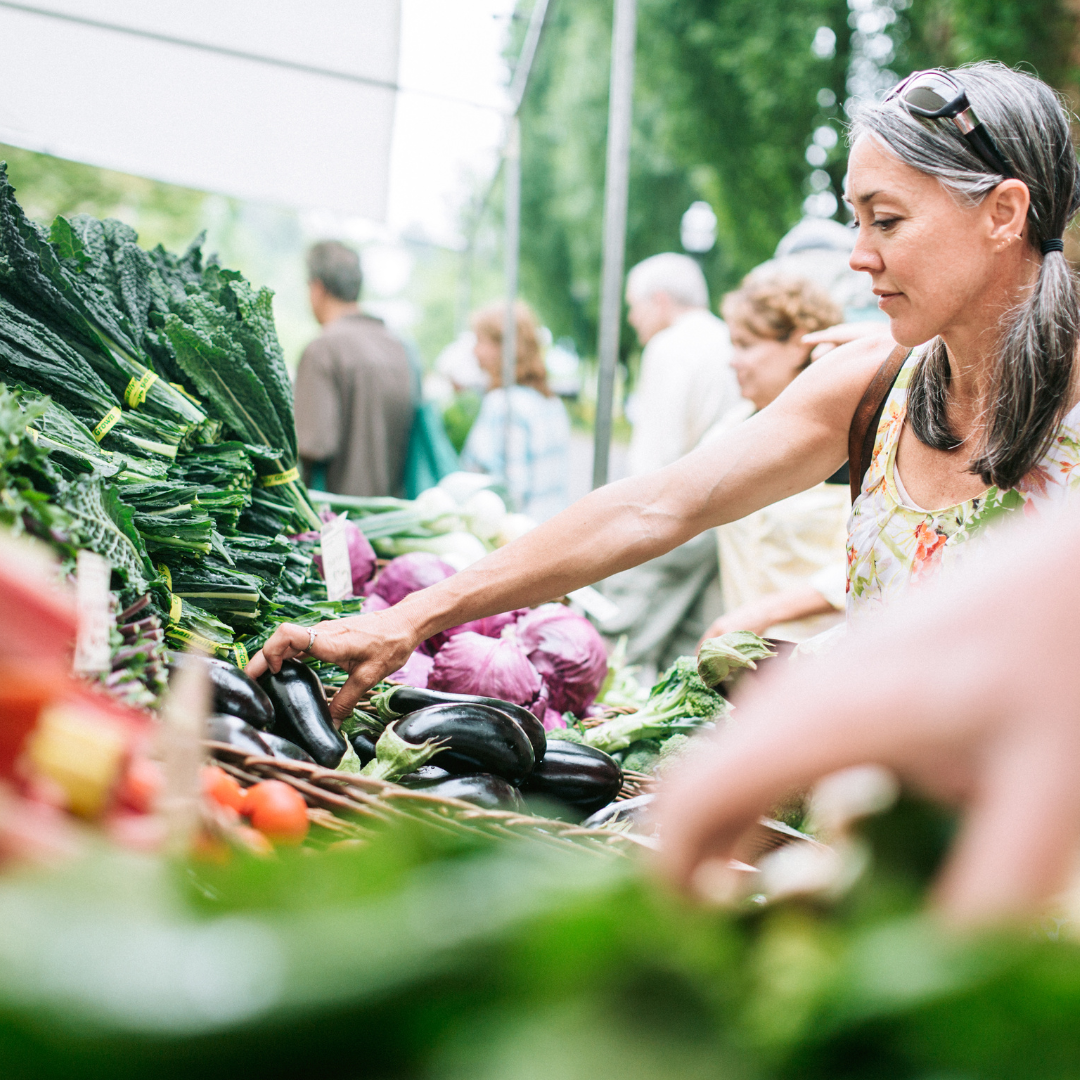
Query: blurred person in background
[686,383]
[782,568]
[684,387]
[531,455]
[354,386]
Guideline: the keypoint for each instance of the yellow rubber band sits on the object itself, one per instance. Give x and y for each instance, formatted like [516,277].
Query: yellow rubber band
[277,479]
[176,609]
[33,433]
[191,397]
[188,637]
[166,573]
[138,388]
[106,423]
[241,655]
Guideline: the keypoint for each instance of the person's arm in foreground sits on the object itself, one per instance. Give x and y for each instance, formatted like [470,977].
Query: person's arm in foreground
[969,692]
[789,446]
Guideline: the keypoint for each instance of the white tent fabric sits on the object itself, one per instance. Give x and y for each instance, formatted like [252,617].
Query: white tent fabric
[278,101]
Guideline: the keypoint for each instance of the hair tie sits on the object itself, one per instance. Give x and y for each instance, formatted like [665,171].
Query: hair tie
[1052,245]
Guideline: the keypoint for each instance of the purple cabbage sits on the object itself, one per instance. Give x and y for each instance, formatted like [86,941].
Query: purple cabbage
[470,663]
[568,652]
[415,671]
[490,625]
[553,720]
[408,574]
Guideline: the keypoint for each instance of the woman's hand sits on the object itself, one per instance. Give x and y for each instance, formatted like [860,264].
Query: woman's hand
[758,615]
[969,692]
[826,340]
[368,647]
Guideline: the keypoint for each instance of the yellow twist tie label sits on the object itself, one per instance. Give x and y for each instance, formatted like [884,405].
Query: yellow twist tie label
[138,388]
[106,423]
[33,433]
[179,388]
[188,637]
[241,655]
[176,609]
[277,479]
[166,573]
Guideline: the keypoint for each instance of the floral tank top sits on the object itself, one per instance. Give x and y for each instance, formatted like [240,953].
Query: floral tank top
[892,545]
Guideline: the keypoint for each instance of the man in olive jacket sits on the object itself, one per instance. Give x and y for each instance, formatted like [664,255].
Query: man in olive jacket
[354,386]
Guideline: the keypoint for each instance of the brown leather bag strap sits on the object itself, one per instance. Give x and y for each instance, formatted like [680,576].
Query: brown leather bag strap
[864,423]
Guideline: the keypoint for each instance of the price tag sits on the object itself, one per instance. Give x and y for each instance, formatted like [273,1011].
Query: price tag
[92,609]
[337,570]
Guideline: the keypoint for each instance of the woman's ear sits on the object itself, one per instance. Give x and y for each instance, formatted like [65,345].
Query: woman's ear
[1007,208]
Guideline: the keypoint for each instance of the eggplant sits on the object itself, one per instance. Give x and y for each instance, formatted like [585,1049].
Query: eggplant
[481,789]
[578,775]
[407,699]
[426,772]
[479,739]
[363,742]
[237,733]
[234,693]
[282,748]
[301,713]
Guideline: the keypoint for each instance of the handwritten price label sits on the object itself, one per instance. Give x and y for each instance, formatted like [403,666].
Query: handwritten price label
[337,570]
[92,608]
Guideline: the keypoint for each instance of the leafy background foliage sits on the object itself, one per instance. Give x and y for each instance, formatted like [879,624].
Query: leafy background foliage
[725,105]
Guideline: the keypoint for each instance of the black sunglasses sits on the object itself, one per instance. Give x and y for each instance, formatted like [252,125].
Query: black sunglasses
[936,95]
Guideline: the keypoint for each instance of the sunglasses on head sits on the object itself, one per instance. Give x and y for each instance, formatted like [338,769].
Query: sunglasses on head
[936,95]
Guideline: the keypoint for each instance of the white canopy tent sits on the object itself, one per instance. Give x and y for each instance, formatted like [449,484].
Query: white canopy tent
[278,101]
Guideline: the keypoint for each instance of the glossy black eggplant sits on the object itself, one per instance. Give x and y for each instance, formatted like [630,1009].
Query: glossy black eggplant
[363,743]
[481,789]
[407,699]
[239,734]
[301,713]
[479,739]
[580,776]
[233,692]
[283,748]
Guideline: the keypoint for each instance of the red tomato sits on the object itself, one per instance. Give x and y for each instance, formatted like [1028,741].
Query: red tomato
[277,810]
[222,788]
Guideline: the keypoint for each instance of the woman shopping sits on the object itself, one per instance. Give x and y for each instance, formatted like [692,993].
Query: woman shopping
[962,184]
[530,452]
[782,567]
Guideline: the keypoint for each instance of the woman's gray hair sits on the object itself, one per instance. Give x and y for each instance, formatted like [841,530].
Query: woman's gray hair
[1030,384]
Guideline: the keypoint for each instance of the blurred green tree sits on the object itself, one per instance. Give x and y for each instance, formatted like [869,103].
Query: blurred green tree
[727,96]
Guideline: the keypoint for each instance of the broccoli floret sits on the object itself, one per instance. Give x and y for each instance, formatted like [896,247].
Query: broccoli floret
[679,702]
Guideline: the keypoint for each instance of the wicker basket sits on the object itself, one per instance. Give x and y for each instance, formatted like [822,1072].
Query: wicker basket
[345,806]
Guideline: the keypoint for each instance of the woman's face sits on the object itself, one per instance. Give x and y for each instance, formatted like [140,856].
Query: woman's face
[488,354]
[764,366]
[935,263]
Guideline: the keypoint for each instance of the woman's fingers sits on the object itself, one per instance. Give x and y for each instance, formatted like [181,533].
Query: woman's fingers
[286,643]
[1018,844]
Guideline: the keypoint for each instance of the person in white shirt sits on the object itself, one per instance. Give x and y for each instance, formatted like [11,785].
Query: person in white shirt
[686,383]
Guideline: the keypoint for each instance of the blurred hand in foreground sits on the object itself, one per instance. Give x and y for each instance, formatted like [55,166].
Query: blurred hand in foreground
[970,693]
[826,340]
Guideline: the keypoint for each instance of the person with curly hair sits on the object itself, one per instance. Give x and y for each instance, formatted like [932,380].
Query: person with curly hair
[782,567]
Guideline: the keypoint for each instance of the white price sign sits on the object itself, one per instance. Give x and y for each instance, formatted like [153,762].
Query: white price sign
[92,609]
[337,570]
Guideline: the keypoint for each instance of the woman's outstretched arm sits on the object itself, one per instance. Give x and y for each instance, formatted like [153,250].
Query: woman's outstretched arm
[796,442]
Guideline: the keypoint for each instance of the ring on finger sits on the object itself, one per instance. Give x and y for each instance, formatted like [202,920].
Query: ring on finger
[312,635]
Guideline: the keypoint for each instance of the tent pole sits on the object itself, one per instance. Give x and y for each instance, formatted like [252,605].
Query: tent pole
[616,184]
[511,245]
